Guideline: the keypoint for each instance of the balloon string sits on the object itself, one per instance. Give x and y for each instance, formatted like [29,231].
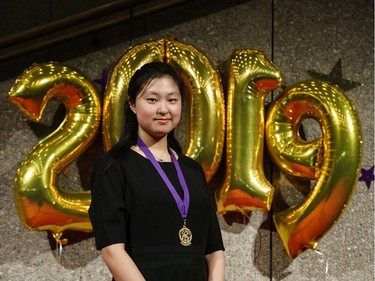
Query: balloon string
[59,249]
[326,262]
[246,216]
[257,253]
[59,244]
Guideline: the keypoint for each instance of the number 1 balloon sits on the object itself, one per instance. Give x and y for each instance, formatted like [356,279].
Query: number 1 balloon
[252,76]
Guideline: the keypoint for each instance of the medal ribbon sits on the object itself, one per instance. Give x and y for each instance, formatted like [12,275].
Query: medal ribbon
[183,205]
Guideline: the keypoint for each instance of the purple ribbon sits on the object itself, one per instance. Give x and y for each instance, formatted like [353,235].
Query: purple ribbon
[183,205]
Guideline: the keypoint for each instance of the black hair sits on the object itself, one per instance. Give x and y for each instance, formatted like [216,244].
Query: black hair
[141,78]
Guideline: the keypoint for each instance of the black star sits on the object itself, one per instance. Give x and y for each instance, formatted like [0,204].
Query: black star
[103,80]
[367,176]
[335,77]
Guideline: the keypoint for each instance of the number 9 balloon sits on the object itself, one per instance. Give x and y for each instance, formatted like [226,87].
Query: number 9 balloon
[40,203]
[332,160]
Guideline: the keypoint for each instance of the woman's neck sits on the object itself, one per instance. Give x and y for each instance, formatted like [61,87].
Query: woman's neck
[158,147]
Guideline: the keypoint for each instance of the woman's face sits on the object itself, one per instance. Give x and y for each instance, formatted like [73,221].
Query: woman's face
[158,107]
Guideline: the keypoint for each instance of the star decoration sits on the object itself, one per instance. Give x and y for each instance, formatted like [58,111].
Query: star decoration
[103,80]
[335,77]
[367,176]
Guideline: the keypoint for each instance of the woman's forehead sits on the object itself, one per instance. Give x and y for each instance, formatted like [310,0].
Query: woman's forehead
[159,84]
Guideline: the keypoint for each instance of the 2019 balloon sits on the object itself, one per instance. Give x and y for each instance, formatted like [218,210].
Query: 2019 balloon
[40,202]
[333,160]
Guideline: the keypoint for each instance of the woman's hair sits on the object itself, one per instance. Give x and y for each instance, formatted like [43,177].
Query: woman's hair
[141,79]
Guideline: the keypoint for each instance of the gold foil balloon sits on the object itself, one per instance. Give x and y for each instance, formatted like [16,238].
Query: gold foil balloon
[252,76]
[333,160]
[205,133]
[117,86]
[40,202]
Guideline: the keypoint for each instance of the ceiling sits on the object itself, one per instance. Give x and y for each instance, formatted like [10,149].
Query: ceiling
[32,31]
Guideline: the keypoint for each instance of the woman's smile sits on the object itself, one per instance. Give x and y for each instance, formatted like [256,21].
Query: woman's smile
[162,120]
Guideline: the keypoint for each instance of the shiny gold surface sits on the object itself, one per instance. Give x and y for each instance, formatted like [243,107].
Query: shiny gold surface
[40,202]
[333,160]
[205,132]
[252,76]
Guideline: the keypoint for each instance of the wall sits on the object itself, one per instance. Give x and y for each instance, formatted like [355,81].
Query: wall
[298,36]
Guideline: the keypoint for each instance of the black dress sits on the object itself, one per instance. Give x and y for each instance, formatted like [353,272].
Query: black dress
[131,204]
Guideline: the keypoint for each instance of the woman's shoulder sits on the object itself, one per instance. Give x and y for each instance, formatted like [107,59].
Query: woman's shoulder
[108,161]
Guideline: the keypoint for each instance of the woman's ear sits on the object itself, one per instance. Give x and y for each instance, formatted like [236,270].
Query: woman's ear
[132,106]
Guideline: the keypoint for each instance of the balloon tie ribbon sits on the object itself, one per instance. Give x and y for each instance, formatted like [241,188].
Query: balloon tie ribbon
[326,263]
[59,244]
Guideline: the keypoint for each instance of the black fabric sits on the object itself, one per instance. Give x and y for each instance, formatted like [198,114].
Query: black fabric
[131,204]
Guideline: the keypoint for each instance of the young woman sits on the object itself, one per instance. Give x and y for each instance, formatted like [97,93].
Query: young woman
[151,212]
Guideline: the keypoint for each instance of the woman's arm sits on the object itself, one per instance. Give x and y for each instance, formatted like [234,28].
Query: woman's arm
[120,263]
[216,266]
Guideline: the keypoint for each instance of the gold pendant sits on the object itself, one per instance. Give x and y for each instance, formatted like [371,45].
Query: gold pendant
[185,236]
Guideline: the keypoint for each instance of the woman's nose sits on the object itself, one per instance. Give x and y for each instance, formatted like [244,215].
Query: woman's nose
[163,108]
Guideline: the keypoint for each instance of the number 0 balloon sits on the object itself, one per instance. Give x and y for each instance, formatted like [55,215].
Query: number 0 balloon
[205,134]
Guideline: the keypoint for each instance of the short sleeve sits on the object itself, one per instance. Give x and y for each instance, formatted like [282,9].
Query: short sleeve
[107,209]
[214,237]
[214,241]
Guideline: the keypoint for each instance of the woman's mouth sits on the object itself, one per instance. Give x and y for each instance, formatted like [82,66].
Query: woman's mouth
[162,120]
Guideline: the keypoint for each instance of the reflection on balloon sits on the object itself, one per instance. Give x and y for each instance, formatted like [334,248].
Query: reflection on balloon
[252,76]
[205,134]
[117,86]
[40,202]
[333,160]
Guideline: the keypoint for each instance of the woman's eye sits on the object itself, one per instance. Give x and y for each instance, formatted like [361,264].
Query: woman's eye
[151,100]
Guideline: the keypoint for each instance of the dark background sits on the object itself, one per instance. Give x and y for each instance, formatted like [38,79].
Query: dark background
[22,42]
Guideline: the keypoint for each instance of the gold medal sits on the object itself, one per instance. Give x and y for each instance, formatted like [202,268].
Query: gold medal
[185,235]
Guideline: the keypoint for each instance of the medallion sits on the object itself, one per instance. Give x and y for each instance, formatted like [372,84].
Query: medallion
[185,236]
